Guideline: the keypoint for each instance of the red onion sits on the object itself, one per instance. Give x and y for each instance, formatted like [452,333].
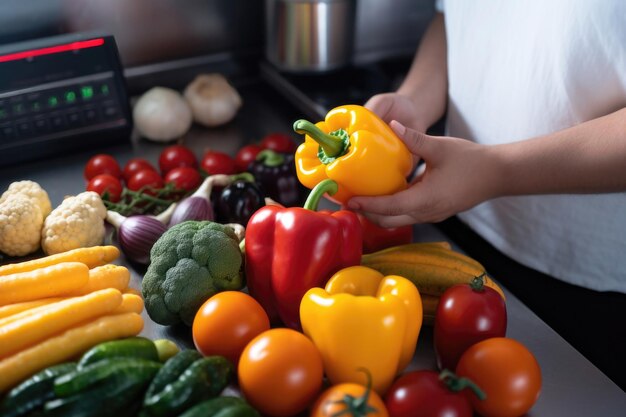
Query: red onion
[137,234]
[198,205]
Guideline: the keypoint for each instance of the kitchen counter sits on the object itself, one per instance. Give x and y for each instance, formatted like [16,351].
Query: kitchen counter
[572,386]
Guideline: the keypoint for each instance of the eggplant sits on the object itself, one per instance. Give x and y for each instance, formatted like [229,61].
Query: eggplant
[238,202]
[276,174]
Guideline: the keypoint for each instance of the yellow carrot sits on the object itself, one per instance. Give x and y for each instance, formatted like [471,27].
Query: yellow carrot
[45,282]
[66,346]
[131,303]
[101,277]
[129,290]
[92,257]
[55,318]
[12,309]
[26,313]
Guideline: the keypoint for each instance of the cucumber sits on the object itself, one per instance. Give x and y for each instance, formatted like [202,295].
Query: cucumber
[241,410]
[222,407]
[119,395]
[132,347]
[96,373]
[205,378]
[34,392]
[172,370]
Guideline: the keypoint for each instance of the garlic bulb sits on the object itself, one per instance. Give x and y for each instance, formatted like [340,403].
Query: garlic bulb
[161,114]
[212,99]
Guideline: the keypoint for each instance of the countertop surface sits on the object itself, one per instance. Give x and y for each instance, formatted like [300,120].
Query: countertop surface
[572,386]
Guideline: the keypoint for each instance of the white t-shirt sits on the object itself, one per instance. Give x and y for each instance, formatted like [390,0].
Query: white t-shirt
[523,68]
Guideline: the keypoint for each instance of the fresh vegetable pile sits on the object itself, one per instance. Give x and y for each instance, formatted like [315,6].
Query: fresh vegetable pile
[332,314]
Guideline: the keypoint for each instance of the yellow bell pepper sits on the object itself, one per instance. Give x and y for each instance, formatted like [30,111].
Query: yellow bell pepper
[356,149]
[362,319]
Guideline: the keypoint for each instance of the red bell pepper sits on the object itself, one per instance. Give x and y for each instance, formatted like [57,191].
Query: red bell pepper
[376,238]
[291,250]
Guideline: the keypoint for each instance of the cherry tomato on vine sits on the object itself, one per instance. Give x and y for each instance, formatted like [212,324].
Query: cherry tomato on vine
[245,156]
[215,162]
[145,178]
[466,314]
[135,165]
[424,394]
[280,372]
[102,164]
[226,322]
[107,186]
[507,372]
[335,401]
[184,178]
[278,142]
[176,156]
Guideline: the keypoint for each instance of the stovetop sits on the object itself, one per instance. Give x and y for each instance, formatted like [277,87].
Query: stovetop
[315,94]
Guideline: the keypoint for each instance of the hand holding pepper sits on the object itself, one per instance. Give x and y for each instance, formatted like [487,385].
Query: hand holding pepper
[355,148]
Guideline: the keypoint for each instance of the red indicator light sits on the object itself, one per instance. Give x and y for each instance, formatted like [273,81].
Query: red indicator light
[74,46]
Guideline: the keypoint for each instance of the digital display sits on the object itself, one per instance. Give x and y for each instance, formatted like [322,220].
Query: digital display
[46,65]
[58,92]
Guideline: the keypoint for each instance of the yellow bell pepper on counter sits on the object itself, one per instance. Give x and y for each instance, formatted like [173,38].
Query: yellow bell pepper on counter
[362,319]
[356,149]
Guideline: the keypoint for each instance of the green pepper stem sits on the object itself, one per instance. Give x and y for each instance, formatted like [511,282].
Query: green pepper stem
[332,145]
[245,176]
[270,158]
[327,186]
[456,384]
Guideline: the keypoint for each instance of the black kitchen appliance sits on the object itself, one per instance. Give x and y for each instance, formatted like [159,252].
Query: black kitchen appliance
[60,94]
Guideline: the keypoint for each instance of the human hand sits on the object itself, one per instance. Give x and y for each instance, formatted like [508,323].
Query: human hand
[458,175]
[394,106]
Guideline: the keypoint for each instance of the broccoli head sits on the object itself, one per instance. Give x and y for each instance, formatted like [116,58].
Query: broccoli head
[189,263]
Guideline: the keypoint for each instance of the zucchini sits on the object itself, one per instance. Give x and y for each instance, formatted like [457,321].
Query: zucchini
[132,347]
[222,407]
[172,370]
[119,395]
[34,392]
[205,378]
[82,378]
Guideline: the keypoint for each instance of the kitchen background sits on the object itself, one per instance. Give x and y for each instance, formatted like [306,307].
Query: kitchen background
[150,31]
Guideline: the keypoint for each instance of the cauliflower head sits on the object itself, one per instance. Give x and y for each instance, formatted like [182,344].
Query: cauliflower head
[32,190]
[20,225]
[188,264]
[78,222]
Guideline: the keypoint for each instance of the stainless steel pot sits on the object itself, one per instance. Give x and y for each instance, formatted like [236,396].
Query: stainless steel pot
[309,35]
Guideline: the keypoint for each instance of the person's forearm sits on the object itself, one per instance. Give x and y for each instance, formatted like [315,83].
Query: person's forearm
[587,158]
[427,81]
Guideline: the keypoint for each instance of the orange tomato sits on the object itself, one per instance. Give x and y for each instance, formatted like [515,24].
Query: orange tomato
[334,401]
[280,372]
[226,323]
[506,371]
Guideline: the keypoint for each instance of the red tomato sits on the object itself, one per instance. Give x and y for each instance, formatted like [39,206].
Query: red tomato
[335,401]
[278,142]
[508,374]
[145,178]
[109,187]
[280,372]
[423,394]
[135,165]
[466,316]
[184,178]
[218,163]
[102,164]
[176,156]
[245,156]
[226,323]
